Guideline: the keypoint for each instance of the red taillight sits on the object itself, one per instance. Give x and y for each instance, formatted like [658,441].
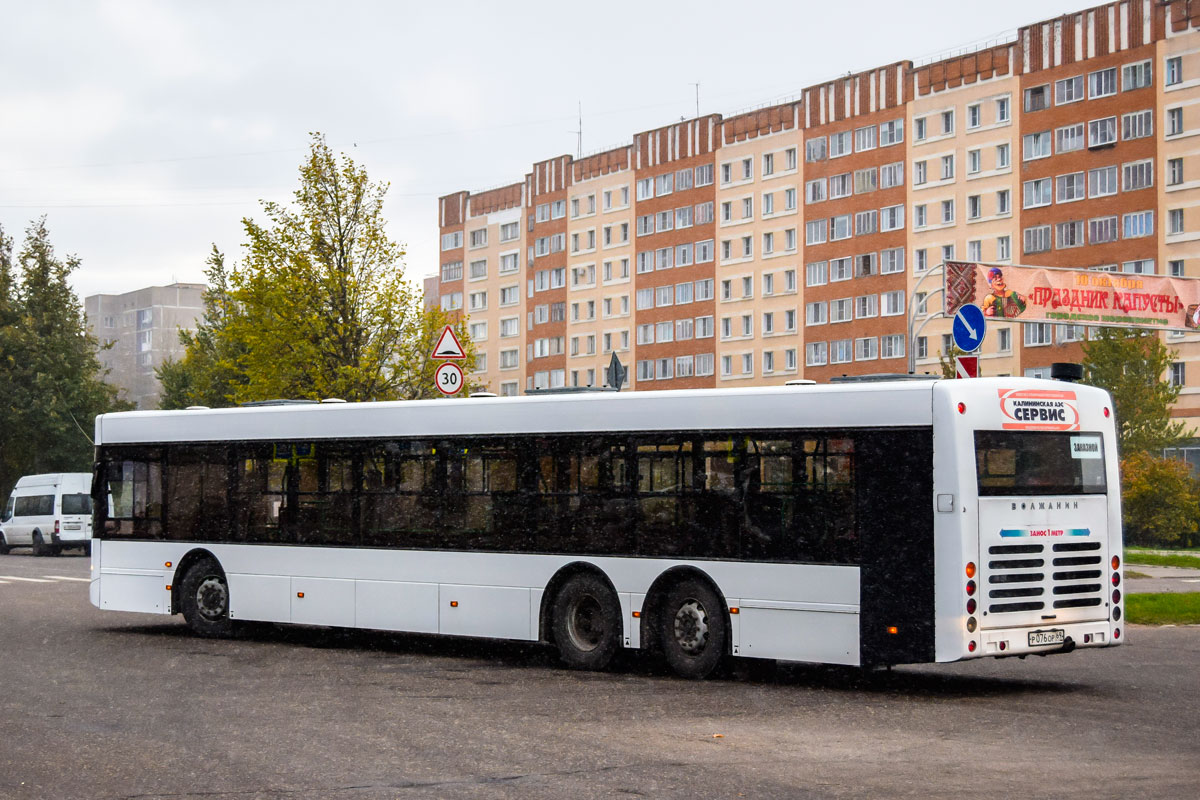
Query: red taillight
[1116,579]
[962,408]
[971,646]
[1116,562]
[1004,645]
[971,606]
[56,526]
[1116,633]
[1106,412]
[970,569]
[970,587]
[1116,595]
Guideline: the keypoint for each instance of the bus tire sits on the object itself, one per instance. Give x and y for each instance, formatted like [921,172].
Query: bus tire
[204,596]
[4,548]
[40,548]
[693,630]
[87,548]
[586,622]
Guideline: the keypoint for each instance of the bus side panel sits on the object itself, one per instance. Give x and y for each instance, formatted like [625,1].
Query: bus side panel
[893,471]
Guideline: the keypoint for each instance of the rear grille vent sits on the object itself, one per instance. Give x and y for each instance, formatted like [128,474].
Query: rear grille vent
[1018,580]
[1074,547]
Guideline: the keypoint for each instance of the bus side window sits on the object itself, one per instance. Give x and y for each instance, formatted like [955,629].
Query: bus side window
[135,485]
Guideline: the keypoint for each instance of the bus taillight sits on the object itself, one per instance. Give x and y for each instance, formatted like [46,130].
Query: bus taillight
[971,605]
[1116,633]
[971,646]
[970,569]
[1116,579]
[1116,596]
[1116,562]
[970,587]
[962,408]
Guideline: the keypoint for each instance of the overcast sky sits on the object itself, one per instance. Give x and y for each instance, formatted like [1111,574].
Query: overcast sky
[145,131]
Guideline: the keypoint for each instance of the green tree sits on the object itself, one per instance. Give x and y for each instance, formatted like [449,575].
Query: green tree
[209,373]
[1132,364]
[1160,501]
[53,382]
[317,308]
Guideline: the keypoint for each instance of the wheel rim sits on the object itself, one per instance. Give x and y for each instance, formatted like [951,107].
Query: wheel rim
[691,627]
[212,598]
[585,623]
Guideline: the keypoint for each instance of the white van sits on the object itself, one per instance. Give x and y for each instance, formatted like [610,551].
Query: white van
[49,513]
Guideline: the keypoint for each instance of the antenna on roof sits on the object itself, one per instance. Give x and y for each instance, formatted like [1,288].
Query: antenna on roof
[579,134]
[697,85]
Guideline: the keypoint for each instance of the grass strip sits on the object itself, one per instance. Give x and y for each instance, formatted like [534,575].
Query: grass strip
[1164,608]
[1155,560]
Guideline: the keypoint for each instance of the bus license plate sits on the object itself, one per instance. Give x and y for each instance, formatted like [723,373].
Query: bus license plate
[1054,636]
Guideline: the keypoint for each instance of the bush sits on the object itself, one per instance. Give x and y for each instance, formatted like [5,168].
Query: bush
[1160,501]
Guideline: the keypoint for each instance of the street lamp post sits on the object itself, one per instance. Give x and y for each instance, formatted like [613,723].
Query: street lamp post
[912,308]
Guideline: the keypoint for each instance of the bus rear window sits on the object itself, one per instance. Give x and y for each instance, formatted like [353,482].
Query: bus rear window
[1039,462]
[76,504]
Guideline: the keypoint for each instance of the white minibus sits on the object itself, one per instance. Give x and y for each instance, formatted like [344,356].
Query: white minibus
[49,513]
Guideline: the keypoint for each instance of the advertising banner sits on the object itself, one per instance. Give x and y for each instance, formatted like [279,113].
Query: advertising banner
[1073,296]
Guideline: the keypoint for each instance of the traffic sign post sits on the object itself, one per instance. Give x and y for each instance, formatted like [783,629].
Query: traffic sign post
[449,378]
[969,328]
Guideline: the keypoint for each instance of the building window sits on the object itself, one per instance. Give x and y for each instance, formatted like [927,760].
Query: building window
[1038,333]
[1037,98]
[1003,111]
[1102,132]
[1102,83]
[1174,121]
[1037,239]
[1038,145]
[1174,71]
[1068,90]
[1003,248]
[1136,76]
[1175,268]
[1177,376]
[1138,224]
[1069,138]
[1138,174]
[1175,220]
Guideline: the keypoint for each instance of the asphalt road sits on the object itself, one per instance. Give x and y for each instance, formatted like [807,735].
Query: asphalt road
[109,705]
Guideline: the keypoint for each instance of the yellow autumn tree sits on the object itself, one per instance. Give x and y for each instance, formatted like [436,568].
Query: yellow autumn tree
[1160,501]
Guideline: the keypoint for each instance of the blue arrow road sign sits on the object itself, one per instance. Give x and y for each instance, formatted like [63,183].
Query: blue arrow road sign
[969,328]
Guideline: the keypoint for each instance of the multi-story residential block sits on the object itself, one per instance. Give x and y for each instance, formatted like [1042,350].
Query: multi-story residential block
[806,239]
[141,331]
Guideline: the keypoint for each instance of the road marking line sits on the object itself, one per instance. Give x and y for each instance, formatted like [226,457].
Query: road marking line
[67,578]
[1189,580]
[16,578]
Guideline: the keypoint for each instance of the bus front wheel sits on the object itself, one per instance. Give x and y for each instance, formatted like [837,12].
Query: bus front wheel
[587,623]
[692,629]
[204,595]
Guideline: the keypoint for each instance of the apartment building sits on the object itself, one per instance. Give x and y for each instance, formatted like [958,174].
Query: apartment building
[138,331]
[805,239]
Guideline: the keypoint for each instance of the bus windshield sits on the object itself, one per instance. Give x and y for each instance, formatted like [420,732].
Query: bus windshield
[1039,463]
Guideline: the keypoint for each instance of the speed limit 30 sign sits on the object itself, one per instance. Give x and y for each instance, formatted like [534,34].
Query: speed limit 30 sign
[449,378]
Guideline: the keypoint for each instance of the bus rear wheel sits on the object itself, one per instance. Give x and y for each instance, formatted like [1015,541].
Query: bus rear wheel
[40,548]
[4,548]
[204,596]
[692,629]
[587,623]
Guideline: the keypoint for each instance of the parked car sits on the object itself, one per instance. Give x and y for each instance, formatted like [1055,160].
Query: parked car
[49,513]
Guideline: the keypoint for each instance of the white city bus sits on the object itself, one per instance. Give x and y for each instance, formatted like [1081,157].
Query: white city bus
[860,524]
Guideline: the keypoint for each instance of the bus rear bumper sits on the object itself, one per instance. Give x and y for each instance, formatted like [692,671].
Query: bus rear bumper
[1049,639]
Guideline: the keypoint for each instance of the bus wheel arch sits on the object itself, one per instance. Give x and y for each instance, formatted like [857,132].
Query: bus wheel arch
[581,615]
[685,618]
[200,571]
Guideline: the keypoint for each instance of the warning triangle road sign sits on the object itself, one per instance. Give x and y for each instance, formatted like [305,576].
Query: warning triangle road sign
[448,346]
